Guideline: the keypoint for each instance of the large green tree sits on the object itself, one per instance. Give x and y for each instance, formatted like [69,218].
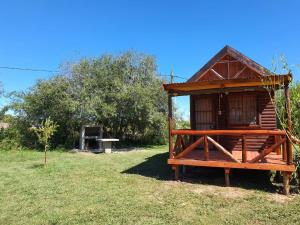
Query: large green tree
[121,92]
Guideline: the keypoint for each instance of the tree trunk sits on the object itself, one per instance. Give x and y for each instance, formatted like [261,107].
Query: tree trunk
[45,159]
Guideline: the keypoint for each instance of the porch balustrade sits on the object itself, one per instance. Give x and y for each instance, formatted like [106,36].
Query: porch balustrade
[188,140]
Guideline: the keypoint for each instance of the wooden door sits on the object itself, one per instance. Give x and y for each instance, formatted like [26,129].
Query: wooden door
[205,118]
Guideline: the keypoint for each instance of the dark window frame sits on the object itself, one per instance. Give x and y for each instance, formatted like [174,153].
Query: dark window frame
[231,123]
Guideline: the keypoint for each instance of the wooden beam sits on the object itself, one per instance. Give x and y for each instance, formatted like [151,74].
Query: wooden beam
[227,178]
[277,138]
[221,90]
[286,183]
[239,73]
[206,148]
[289,123]
[190,148]
[176,173]
[217,74]
[228,132]
[230,83]
[178,143]
[222,149]
[284,154]
[170,121]
[267,151]
[228,61]
[224,164]
[244,149]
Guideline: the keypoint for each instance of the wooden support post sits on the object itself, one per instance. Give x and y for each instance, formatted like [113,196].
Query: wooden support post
[227,179]
[170,120]
[289,124]
[284,155]
[176,171]
[183,169]
[206,153]
[244,149]
[277,138]
[286,182]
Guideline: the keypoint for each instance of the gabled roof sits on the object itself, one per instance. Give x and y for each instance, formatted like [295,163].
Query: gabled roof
[246,67]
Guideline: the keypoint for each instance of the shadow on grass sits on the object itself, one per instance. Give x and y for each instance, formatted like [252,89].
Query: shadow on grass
[156,167]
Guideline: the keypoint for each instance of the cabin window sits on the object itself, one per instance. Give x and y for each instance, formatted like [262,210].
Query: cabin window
[242,110]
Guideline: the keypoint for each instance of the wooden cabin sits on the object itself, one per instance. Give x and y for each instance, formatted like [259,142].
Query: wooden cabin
[232,117]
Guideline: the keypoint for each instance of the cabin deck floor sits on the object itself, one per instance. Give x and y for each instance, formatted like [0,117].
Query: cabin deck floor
[218,159]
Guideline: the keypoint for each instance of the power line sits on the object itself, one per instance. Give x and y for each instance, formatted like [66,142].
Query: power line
[173,76]
[56,71]
[28,69]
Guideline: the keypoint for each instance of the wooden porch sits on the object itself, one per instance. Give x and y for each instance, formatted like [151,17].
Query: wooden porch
[200,148]
[186,151]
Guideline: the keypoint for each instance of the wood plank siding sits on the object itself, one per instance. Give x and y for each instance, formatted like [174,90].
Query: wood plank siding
[259,116]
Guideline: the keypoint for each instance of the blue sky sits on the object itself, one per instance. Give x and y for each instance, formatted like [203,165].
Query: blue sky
[181,34]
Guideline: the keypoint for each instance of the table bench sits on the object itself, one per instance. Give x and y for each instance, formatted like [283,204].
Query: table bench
[106,143]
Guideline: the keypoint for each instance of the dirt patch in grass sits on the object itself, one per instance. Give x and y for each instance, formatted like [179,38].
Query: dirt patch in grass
[225,192]
[280,198]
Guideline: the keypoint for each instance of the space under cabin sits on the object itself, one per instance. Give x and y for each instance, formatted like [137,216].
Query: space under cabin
[233,118]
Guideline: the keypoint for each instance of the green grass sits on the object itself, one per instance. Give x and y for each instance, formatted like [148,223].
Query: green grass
[130,188]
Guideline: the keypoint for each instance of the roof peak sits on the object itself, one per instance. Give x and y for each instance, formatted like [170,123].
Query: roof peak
[232,52]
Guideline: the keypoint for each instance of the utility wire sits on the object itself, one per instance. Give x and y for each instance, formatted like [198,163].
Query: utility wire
[56,71]
[28,69]
[173,76]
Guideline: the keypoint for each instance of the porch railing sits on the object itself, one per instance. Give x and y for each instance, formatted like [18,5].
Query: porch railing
[184,144]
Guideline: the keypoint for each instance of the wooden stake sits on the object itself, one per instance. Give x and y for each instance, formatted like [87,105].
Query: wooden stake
[170,120]
[206,153]
[183,169]
[277,138]
[289,124]
[244,149]
[284,155]
[227,179]
[286,182]
[176,173]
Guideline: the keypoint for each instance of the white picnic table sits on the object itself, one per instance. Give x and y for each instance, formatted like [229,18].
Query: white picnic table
[107,143]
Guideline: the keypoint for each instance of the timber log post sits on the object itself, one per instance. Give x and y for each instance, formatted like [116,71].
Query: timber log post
[286,182]
[170,121]
[227,178]
[289,146]
[176,170]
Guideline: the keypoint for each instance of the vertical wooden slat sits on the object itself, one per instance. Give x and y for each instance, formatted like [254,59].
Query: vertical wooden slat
[170,120]
[289,123]
[286,182]
[206,153]
[277,138]
[244,149]
[227,178]
[284,155]
[176,173]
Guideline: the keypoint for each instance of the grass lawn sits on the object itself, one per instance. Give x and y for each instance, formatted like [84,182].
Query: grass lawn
[131,188]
